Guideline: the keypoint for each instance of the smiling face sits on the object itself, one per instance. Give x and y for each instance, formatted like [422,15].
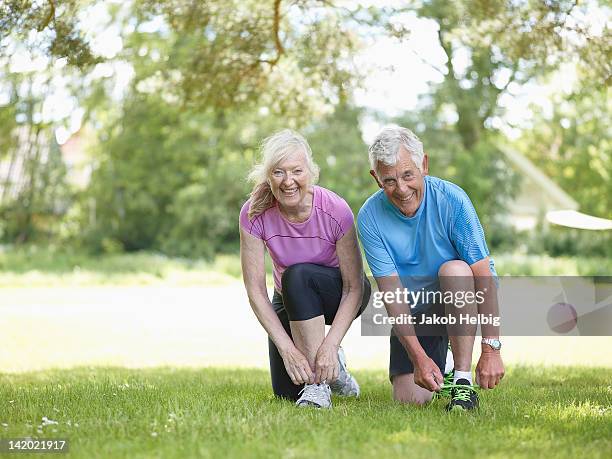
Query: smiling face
[403,183]
[290,180]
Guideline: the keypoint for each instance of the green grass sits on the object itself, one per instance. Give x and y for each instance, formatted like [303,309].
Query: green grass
[537,412]
[43,267]
[516,264]
[34,266]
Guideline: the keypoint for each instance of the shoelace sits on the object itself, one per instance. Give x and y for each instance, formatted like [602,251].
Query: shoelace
[473,386]
[463,391]
[315,393]
[447,386]
[445,391]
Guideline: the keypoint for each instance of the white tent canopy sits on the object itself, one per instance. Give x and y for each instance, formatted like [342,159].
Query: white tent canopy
[574,219]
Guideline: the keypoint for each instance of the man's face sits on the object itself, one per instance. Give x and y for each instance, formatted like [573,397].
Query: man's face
[403,183]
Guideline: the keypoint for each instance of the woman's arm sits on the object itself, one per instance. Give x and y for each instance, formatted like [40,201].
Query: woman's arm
[351,269]
[254,275]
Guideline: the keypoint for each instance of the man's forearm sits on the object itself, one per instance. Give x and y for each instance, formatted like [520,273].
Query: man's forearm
[489,306]
[405,333]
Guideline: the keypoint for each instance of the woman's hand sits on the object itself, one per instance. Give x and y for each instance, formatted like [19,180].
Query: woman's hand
[326,363]
[297,366]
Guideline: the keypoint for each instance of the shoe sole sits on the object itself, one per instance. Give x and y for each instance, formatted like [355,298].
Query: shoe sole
[313,405]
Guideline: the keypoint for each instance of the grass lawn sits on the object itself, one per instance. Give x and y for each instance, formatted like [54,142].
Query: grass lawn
[37,266]
[109,412]
[33,266]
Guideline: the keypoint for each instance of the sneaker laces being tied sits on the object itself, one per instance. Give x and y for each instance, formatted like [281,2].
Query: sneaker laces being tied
[463,393]
[449,385]
[316,393]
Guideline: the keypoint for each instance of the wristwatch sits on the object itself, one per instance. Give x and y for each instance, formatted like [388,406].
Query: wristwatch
[493,342]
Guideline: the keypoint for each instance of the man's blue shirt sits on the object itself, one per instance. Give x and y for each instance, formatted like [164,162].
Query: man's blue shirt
[445,227]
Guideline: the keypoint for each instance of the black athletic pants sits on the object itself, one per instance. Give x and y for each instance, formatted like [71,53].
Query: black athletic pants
[309,291]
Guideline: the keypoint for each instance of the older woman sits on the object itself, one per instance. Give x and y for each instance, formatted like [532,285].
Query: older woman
[318,276]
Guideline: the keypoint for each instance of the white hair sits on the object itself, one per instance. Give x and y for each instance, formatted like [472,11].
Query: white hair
[275,149]
[386,145]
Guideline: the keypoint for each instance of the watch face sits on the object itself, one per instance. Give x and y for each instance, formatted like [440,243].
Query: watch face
[494,343]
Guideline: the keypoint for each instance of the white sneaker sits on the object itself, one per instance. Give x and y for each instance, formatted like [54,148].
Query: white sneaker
[346,384]
[317,395]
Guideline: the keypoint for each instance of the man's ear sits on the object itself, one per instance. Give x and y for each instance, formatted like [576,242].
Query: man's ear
[425,165]
[373,174]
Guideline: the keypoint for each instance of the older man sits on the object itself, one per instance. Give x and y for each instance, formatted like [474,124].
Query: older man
[422,233]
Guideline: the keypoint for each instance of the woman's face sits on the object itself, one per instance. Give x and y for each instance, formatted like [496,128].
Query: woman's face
[290,179]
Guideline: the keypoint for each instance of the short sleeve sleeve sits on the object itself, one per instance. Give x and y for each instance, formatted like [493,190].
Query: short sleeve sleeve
[344,217]
[466,231]
[379,260]
[253,227]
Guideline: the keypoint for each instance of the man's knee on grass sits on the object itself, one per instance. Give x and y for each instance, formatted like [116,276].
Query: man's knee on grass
[405,390]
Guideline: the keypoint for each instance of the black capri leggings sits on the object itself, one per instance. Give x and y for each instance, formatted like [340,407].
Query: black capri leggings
[309,291]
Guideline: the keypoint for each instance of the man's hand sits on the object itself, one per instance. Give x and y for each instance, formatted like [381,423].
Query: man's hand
[326,363]
[490,369]
[428,375]
[297,366]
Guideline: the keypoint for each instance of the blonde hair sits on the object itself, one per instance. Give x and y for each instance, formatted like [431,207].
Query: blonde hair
[275,149]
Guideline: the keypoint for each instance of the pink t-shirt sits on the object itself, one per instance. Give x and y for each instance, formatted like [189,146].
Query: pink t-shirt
[312,241]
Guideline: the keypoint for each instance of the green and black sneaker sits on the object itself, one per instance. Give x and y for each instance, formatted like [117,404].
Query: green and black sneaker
[463,396]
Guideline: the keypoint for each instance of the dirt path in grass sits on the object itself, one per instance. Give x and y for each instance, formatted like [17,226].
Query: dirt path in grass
[191,326]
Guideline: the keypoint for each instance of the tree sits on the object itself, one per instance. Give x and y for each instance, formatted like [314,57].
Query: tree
[342,155]
[33,191]
[50,25]
[491,46]
[210,80]
[222,53]
[572,145]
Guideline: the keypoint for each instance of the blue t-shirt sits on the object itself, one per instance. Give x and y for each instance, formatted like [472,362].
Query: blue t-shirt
[445,227]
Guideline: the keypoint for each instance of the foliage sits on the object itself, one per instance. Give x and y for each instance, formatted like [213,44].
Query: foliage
[491,47]
[33,191]
[33,214]
[178,112]
[50,26]
[342,155]
[60,266]
[172,160]
[573,144]
[216,54]
[557,241]
[230,53]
